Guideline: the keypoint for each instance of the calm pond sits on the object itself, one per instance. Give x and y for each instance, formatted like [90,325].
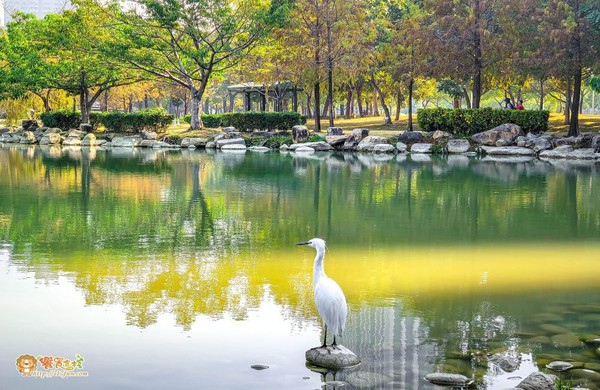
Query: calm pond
[179,270]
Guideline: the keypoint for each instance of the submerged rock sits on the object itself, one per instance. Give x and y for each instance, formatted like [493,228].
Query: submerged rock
[445,379]
[332,357]
[559,365]
[505,361]
[538,381]
[368,380]
[259,367]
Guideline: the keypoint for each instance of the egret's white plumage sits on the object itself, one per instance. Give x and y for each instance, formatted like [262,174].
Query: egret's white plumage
[329,298]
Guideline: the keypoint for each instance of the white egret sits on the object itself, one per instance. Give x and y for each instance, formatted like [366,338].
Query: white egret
[329,297]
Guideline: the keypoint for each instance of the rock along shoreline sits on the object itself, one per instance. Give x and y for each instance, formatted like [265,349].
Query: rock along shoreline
[502,141]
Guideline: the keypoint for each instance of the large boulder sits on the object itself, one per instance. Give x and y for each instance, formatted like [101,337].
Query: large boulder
[506,133]
[335,131]
[332,357]
[401,147]
[4,129]
[359,134]
[595,143]
[129,141]
[30,124]
[538,381]
[72,141]
[568,141]
[148,134]
[89,140]
[410,137]
[85,128]
[193,141]
[337,140]
[384,148]
[235,147]
[540,144]
[232,141]
[421,148]
[447,379]
[368,143]
[458,146]
[507,151]
[438,134]
[50,139]
[558,152]
[27,137]
[320,146]
[299,133]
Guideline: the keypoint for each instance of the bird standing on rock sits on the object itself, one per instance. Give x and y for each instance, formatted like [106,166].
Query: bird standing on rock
[329,297]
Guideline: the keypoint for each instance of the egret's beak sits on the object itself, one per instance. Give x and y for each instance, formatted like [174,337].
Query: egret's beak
[302,243]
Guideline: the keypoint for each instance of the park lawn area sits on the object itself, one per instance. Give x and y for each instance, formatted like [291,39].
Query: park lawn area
[373,123]
[587,124]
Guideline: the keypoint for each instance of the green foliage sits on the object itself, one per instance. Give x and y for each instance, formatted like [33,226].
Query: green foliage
[65,119]
[209,120]
[249,121]
[276,141]
[152,119]
[465,122]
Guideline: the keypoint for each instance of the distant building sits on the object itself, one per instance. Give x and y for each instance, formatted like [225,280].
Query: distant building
[39,8]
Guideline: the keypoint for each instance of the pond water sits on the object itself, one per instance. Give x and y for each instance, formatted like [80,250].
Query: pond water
[178,269]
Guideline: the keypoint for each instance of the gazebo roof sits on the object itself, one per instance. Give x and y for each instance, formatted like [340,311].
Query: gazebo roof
[255,87]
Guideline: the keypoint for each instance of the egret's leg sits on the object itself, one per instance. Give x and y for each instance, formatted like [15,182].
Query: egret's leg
[325,338]
[334,343]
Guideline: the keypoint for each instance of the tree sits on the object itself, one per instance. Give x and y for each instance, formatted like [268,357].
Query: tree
[187,41]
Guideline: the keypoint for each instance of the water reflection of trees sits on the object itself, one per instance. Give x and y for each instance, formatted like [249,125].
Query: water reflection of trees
[174,233]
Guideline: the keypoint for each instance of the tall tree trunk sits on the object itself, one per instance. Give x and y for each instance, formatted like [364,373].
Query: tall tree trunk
[478,58]
[325,113]
[467,100]
[145,100]
[329,69]
[317,107]
[374,103]
[568,101]
[105,105]
[574,122]
[359,88]
[377,92]
[542,93]
[196,119]
[349,99]
[398,104]
[411,85]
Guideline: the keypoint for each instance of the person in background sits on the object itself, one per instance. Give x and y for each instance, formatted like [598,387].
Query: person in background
[507,104]
[520,105]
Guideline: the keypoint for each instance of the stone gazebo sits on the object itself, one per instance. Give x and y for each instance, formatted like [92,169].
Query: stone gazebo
[279,93]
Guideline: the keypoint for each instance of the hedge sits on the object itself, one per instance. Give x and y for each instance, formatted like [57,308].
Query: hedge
[249,121]
[464,122]
[65,119]
[209,120]
[152,119]
[155,119]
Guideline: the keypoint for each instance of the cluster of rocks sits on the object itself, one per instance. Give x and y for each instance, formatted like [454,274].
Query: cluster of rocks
[504,140]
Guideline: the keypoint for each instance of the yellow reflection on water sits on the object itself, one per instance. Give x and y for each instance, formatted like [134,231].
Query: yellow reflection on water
[187,285]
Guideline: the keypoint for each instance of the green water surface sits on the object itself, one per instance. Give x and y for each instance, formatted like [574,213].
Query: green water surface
[178,269]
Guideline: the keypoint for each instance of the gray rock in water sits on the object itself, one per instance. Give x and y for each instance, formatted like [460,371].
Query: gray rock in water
[320,146]
[233,147]
[233,141]
[195,141]
[304,149]
[507,132]
[89,140]
[261,149]
[401,147]
[151,135]
[384,148]
[582,154]
[51,139]
[332,357]
[445,379]
[595,143]
[540,144]
[229,129]
[559,365]
[410,137]
[507,151]
[125,141]
[538,381]
[595,342]
[458,146]
[421,148]
[568,141]
[368,143]
[27,137]
[211,145]
[368,380]
[506,362]
[259,367]
[72,141]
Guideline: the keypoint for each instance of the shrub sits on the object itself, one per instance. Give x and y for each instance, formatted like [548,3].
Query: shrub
[464,122]
[63,119]
[209,120]
[155,119]
[249,121]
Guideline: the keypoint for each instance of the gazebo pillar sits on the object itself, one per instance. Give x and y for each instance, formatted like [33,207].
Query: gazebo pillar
[263,102]
[247,101]
[231,97]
